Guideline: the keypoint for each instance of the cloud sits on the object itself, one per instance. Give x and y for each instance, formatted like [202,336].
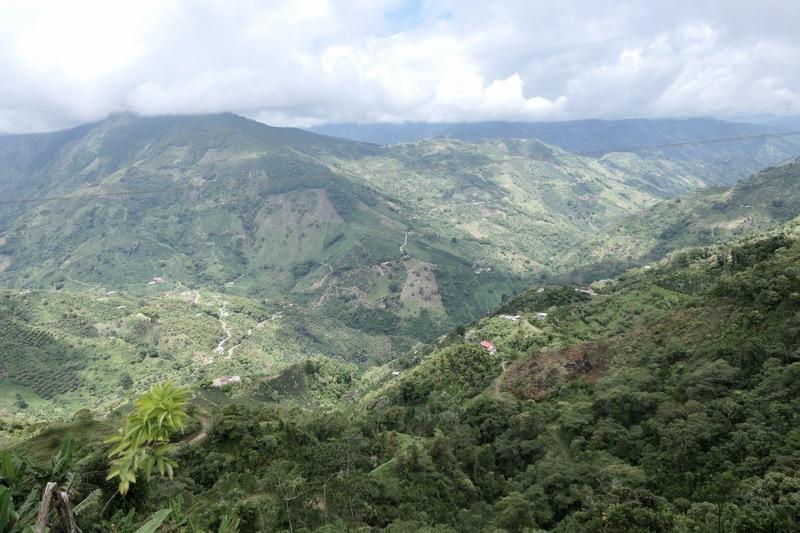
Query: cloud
[314,61]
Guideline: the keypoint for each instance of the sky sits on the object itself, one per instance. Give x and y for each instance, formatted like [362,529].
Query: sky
[310,62]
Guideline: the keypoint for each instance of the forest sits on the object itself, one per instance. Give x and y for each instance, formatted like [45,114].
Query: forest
[667,400]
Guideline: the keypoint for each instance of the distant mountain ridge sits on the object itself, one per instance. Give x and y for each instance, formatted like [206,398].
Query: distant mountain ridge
[596,137]
[766,200]
[771,119]
[574,135]
[383,245]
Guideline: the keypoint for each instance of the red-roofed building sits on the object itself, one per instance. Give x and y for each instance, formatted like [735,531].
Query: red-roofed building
[488,346]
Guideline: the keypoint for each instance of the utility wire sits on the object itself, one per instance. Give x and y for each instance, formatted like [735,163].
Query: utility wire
[689,143]
[778,112]
[124,194]
[98,196]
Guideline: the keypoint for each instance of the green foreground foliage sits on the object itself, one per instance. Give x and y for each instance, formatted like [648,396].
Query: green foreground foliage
[143,443]
[665,400]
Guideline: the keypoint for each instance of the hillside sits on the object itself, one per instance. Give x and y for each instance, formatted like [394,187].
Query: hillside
[315,248]
[724,162]
[386,239]
[94,349]
[228,204]
[765,200]
[667,400]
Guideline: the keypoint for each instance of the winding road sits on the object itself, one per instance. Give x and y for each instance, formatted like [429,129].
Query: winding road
[205,428]
[220,349]
[403,246]
[498,382]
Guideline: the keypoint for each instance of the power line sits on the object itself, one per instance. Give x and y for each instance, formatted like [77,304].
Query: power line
[124,194]
[103,195]
[778,112]
[689,143]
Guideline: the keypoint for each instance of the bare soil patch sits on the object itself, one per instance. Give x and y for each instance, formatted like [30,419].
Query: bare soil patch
[539,375]
[420,285]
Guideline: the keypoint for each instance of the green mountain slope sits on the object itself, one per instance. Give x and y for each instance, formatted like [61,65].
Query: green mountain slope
[725,162]
[237,206]
[666,400]
[765,200]
[404,240]
[358,251]
[63,351]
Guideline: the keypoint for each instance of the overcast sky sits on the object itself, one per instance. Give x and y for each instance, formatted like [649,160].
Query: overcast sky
[307,62]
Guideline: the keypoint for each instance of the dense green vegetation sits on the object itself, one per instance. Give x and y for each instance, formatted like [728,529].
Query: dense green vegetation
[765,200]
[302,288]
[727,162]
[666,400]
[63,351]
[357,229]
[322,247]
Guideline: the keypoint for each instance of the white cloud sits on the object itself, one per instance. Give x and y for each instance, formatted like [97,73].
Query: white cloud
[312,61]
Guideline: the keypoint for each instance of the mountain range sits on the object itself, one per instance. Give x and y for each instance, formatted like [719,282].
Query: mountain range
[764,201]
[481,330]
[334,248]
[664,137]
[661,400]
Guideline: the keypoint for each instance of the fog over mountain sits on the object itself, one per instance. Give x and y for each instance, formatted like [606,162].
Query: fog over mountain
[399,265]
[305,63]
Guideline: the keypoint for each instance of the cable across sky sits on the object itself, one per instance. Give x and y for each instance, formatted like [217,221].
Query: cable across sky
[144,192]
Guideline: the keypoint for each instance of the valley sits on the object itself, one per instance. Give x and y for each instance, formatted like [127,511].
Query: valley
[405,266]
[646,400]
[360,250]
[463,326]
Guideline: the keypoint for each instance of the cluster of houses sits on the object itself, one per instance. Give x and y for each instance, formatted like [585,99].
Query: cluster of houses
[492,349]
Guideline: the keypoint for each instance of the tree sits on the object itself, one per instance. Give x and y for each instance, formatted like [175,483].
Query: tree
[514,513]
[125,381]
[289,485]
[143,443]
[20,402]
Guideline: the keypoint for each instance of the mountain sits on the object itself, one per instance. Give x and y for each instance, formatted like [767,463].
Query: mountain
[300,285]
[728,161]
[791,122]
[135,235]
[665,399]
[768,199]
[404,240]
[214,201]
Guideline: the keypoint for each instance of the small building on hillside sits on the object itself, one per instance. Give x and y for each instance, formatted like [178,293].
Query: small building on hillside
[541,316]
[226,380]
[586,290]
[488,346]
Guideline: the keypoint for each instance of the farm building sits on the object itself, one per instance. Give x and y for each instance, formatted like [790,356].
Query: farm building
[225,380]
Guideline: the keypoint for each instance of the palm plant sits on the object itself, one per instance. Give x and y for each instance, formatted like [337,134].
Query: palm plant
[143,443]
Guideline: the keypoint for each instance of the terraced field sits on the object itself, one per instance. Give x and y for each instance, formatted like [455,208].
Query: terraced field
[60,352]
